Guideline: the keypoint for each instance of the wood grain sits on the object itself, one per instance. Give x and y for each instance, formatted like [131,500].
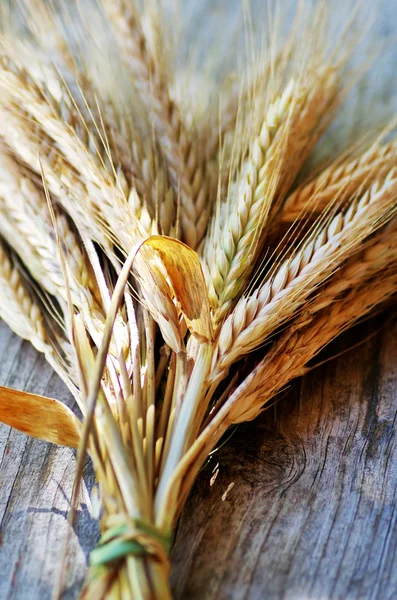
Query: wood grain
[299,504]
[303,503]
[36,480]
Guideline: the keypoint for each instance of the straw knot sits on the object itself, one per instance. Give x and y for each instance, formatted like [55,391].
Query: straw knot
[133,537]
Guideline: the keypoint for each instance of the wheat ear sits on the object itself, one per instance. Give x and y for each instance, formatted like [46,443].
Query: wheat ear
[230,244]
[34,237]
[60,116]
[152,184]
[23,314]
[379,255]
[108,136]
[277,299]
[290,128]
[30,144]
[180,151]
[17,307]
[289,356]
[104,190]
[142,167]
[338,182]
[95,201]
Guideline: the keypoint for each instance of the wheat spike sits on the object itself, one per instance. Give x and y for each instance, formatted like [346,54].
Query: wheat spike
[338,182]
[379,255]
[289,356]
[158,298]
[104,131]
[289,130]
[277,299]
[31,145]
[61,119]
[18,307]
[178,145]
[235,228]
[33,235]
[98,204]
[105,191]
[151,182]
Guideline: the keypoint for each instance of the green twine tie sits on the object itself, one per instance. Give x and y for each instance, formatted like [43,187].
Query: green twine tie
[135,538]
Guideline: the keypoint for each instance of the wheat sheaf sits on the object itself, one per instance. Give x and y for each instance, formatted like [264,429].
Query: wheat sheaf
[171,252]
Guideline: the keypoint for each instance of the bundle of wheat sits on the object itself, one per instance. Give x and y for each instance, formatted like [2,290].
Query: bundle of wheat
[143,251]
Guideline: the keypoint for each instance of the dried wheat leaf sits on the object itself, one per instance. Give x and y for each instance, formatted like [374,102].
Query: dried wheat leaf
[40,417]
[184,269]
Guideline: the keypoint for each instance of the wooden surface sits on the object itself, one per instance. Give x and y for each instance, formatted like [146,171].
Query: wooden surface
[299,505]
[304,502]
[36,480]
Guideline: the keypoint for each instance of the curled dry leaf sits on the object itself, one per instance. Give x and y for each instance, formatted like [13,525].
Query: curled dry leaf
[40,417]
[185,272]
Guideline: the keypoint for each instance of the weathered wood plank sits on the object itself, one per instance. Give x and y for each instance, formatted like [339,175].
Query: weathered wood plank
[312,511]
[36,480]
